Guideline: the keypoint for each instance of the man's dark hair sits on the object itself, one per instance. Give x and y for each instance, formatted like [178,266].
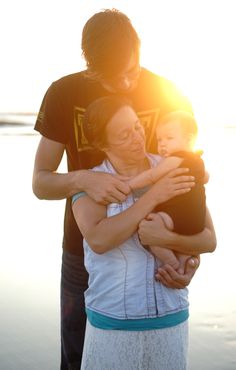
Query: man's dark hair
[108,41]
[97,116]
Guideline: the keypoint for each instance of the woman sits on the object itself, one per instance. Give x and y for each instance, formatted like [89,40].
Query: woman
[134,322]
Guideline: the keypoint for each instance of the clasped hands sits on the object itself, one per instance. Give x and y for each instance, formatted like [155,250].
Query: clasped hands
[152,231]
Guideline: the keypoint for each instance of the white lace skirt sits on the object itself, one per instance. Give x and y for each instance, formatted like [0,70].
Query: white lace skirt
[159,349]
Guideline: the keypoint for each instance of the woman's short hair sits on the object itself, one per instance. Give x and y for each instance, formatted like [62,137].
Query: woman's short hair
[97,116]
[108,41]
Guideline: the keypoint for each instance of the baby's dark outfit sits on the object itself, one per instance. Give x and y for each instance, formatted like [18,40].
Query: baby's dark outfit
[188,210]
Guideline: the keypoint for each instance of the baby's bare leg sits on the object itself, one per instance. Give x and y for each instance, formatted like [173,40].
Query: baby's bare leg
[166,256]
[182,258]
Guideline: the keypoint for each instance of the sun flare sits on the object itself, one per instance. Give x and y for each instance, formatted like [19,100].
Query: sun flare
[194,48]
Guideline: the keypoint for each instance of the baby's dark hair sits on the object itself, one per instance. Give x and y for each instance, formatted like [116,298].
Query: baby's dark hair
[97,116]
[186,120]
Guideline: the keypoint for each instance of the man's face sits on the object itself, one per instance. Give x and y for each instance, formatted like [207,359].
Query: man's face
[127,79]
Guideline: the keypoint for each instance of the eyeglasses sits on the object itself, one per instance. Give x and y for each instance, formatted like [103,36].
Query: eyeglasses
[128,135]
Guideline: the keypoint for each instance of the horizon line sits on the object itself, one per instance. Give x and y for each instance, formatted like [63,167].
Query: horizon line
[19,113]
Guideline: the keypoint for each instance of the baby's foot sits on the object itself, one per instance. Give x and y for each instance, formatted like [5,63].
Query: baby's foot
[182,262]
[173,262]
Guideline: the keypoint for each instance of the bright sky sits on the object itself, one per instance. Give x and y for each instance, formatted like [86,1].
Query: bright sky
[191,42]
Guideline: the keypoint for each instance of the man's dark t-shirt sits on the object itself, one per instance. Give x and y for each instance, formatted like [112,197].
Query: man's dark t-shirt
[61,119]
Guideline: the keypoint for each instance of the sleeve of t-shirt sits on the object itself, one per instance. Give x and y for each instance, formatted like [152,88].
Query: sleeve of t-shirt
[51,121]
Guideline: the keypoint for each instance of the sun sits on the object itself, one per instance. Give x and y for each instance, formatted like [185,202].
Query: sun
[193,47]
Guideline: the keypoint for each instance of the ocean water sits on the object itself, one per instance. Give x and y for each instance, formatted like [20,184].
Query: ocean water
[30,253]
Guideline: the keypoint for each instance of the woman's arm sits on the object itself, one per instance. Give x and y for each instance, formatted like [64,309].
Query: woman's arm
[104,233]
[204,242]
[152,231]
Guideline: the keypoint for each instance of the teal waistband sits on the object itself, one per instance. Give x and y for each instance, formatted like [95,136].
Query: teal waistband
[104,322]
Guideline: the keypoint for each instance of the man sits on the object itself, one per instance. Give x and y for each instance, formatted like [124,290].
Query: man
[111,49]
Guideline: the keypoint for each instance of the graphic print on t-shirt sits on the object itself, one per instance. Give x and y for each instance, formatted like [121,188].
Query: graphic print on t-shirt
[80,138]
[148,118]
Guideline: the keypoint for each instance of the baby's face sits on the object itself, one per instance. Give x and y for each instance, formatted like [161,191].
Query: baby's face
[171,138]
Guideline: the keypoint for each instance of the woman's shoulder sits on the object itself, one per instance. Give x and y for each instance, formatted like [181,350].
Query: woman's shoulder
[104,166]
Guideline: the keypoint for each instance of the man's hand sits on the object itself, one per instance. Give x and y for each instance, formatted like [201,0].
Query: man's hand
[105,188]
[172,279]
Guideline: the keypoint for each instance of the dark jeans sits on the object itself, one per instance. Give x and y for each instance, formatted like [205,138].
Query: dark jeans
[74,281]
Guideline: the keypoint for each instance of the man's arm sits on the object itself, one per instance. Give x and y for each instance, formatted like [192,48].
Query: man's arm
[49,184]
[152,231]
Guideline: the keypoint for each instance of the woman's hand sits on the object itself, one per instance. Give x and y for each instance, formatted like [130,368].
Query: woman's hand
[176,182]
[172,279]
[152,231]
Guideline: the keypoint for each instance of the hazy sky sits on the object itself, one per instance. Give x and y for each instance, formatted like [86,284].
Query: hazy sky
[191,42]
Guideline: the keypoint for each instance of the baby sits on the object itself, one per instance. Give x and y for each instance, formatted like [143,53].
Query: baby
[185,214]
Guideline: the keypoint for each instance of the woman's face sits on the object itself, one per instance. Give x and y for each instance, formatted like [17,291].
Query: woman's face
[125,136]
